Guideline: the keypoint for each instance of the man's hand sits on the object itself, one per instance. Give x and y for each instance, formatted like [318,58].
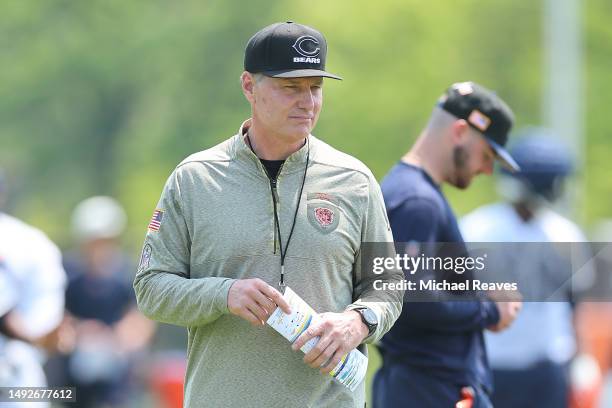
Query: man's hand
[62,339]
[59,338]
[508,311]
[254,300]
[339,333]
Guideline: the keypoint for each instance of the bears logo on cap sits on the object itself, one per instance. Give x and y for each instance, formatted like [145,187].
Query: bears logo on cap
[302,46]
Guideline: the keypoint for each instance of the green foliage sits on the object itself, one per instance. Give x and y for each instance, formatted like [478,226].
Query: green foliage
[598,51]
[106,97]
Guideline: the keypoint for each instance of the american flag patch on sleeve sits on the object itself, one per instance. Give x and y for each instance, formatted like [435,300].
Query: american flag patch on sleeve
[156,220]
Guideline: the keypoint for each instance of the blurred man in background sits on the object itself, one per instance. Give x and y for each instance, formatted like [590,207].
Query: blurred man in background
[100,304]
[434,355]
[32,283]
[530,360]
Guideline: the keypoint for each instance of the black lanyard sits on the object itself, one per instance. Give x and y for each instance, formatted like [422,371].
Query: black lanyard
[283,252]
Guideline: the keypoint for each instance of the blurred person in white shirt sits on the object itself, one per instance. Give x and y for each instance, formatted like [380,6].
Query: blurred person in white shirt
[531,360]
[32,283]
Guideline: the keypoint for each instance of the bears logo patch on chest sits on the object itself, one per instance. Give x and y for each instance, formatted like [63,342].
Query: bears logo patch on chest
[324,216]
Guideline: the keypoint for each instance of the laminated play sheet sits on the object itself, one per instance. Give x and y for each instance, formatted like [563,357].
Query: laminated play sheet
[351,369]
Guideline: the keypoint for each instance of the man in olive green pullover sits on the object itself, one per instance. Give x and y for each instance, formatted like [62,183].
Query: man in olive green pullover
[269,207]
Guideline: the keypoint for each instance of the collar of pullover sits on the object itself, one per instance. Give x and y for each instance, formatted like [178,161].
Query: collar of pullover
[295,162]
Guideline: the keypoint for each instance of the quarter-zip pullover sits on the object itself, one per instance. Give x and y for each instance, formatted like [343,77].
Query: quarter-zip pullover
[217,225]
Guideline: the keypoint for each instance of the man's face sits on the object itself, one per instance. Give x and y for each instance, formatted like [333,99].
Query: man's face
[287,108]
[471,158]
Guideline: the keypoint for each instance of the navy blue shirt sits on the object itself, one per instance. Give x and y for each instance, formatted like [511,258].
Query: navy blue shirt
[444,338]
[104,298]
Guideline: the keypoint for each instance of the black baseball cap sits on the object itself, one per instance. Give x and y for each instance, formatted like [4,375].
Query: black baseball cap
[485,112]
[287,50]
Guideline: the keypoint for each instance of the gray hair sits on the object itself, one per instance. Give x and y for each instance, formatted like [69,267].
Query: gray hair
[257,76]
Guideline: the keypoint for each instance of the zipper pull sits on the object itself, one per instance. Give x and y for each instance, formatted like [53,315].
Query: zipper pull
[275,205]
[274,190]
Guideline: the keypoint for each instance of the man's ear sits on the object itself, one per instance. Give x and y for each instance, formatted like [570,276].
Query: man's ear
[459,131]
[248,86]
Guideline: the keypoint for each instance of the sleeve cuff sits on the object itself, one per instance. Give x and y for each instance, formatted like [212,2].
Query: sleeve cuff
[221,298]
